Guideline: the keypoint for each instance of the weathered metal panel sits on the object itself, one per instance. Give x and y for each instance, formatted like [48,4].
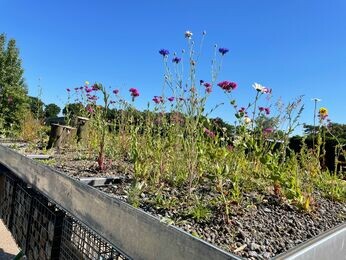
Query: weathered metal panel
[133,231]
[329,245]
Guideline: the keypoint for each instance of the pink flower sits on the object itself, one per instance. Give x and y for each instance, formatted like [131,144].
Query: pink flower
[208,87]
[116,91]
[209,133]
[90,109]
[227,86]
[268,130]
[171,99]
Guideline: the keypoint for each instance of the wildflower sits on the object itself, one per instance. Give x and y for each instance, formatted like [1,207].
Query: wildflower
[268,130]
[68,90]
[201,81]
[227,86]
[116,91]
[188,34]
[164,52]
[242,110]
[80,88]
[88,90]
[208,87]
[223,51]
[176,60]
[134,92]
[95,87]
[158,99]
[267,110]
[247,120]
[171,99]
[90,109]
[316,99]
[209,133]
[261,88]
[323,113]
[87,83]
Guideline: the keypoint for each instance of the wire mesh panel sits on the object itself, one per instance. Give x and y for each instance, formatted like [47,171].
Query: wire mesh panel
[80,242]
[21,215]
[45,230]
[7,199]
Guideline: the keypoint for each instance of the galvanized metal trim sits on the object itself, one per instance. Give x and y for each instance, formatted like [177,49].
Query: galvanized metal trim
[328,245]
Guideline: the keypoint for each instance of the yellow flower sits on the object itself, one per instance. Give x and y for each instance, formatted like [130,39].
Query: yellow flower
[323,111]
[87,83]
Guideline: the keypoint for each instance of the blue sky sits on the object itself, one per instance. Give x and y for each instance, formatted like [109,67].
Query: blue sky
[294,47]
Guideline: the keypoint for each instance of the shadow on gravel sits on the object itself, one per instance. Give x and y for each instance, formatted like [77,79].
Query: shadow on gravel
[5,256]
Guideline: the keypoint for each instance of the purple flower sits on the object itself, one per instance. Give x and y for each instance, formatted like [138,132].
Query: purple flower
[68,90]
[261,109]
[164,52]
[116,91]
[76,89]
[171,99]
[223,51]
[95,87]
[158,99]
[134,92]
[176,60]
[201,81]
[267,110]
[90,109]
[227,86]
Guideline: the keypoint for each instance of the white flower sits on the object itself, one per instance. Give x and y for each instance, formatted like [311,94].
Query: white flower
[87,83]
[188,34]
[247,120]
[261,88]
[316,99]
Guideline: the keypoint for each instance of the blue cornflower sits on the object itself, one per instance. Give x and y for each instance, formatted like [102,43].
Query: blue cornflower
[223,51]
[176,60]
[164,52]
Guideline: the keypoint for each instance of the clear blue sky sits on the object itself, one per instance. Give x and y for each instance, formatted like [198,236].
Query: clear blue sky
[294,47]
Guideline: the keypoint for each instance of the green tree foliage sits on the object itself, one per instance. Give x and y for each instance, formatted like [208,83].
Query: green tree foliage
[13,92]
[74,109]
[52,110]
[36,107]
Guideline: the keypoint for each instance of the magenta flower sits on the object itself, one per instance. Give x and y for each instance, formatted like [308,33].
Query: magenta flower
[95,87]
[171,99]
[164,52]
[208,87]
[261,109]
[134,92]
[227,86]
[158,99]
[116,91]
[176,60]
[223,51]
[242,110]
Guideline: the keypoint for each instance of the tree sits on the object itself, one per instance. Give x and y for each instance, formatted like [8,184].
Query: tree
[52,110]
[36,107]
[13,92]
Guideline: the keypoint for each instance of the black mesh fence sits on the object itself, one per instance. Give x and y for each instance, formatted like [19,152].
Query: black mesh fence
[80,242]
[45,231]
